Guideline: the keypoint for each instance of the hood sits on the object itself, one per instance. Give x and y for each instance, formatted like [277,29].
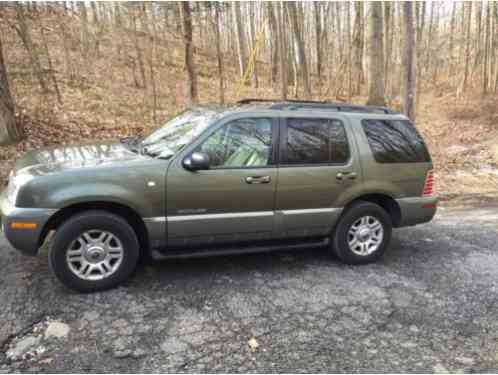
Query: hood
[61,158]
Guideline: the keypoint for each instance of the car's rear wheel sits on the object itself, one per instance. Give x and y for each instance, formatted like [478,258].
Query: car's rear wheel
[94,250]
[362,234]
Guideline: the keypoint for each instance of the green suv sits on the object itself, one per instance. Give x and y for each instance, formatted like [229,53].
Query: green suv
[257,176]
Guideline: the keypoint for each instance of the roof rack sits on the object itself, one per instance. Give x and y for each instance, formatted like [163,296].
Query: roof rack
[310,104]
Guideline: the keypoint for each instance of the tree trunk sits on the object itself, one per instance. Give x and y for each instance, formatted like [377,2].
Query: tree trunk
[494,86]
[376,94]
[299,48]
[349,62]
[387,42]
[467,49]
[152,58]
[274,43]
[219,57]
[118,24]
[69,68]
[50,65]
[409,84]
[477,37]
[358,36]
[241,40]
[138,50]
[252,39]
[485,70]
[435,37]
[85,33]
[281,54]
[95,13]
[452,31]
[420,14]
[317,8]
[185,15]
[24,33]
[9,131]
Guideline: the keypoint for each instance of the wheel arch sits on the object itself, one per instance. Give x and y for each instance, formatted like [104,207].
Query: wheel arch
[387,202]
[122,210]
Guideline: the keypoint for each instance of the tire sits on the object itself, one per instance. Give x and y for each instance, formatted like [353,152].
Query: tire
[362,219]
[96,240]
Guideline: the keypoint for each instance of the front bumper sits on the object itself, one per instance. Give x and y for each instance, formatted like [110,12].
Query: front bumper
[25,239]
[417,210]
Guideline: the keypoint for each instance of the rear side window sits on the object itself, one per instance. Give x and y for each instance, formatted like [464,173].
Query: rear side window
[315,141]
[395,141]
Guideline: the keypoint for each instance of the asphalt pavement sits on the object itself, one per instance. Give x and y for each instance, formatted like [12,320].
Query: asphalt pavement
[429,305]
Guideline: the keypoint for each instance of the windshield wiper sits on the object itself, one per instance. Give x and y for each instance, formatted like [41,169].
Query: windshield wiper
[132,143]
[154,154]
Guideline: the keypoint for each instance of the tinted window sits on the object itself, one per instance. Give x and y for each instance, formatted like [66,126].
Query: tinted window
[240,143]
[395,141]
[316,141]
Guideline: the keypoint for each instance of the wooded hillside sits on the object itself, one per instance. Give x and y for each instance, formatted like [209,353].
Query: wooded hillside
[80,70]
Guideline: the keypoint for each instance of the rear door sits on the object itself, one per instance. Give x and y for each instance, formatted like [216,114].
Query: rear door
[234,200]
[317,168]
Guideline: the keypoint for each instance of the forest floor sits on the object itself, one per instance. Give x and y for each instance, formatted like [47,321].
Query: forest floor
[101,100]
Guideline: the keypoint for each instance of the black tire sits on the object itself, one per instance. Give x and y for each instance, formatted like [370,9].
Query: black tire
[75,227]
[340,245]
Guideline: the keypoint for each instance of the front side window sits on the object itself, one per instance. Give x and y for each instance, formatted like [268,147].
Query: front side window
[240,143]
[315,141]
[395,141]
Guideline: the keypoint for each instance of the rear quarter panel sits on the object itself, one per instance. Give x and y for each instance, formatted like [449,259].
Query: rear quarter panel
[398,180]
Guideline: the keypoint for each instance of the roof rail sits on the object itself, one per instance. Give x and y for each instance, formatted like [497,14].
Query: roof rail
[255,100]
[337,106]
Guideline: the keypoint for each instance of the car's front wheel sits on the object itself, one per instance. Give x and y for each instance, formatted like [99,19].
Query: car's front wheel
[94,250]
[362,234]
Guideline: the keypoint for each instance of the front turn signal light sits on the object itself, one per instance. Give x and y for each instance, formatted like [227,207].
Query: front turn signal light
[23,225]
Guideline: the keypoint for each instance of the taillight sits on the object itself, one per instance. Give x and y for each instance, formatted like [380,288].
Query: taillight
[428,185]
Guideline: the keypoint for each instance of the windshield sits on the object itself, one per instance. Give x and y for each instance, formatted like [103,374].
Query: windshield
[178,132]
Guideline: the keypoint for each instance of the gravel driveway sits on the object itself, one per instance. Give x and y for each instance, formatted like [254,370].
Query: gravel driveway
[429,305]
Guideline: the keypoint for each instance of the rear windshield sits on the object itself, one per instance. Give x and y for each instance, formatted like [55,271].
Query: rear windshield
[395,141]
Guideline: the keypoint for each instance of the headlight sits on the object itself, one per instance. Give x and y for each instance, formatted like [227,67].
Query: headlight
[15,183]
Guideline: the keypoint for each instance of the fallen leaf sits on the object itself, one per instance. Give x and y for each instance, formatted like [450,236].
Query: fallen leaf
[253,344]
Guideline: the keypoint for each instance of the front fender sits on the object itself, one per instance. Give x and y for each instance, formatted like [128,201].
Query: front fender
[100,192]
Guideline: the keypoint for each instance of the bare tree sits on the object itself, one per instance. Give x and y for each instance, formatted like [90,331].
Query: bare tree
[299,47]
[9,131]
[85,32]
[452,39]
[376,94]
[317,8]
[272,21]
[241,40]
[186,18]
[388,35]
[464,85]
[138,49]
[219,57]
[487,47]
[358,37]
[409,84]
[50,64]
[24,31]
[282,56]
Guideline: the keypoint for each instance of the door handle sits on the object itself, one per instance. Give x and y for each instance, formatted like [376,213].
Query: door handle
[258,179]
[349,175]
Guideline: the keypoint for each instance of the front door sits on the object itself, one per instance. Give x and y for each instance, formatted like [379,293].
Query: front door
[317,170]
[234,200]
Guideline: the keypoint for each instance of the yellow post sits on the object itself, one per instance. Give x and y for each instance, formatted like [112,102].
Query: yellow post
[258,40]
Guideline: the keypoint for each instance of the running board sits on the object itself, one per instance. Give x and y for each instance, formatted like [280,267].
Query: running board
[204,253]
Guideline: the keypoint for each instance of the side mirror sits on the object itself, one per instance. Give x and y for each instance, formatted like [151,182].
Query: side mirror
[196,161]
